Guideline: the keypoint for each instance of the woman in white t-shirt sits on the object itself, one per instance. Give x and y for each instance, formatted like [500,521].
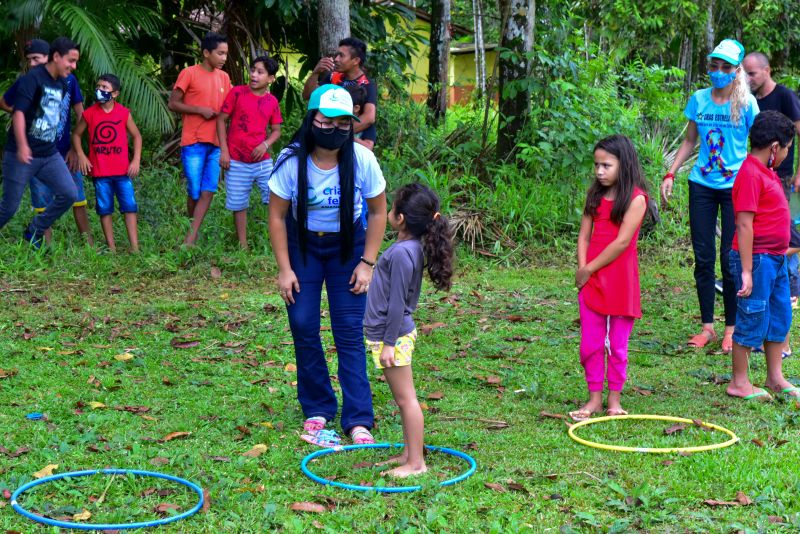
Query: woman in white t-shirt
[316,193]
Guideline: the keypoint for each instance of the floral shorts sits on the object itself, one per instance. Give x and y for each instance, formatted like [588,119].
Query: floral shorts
[403,350]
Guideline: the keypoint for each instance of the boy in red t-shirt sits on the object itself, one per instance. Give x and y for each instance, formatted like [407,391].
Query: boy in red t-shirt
[109,124]
[198,96]
[758,258]
[255,125]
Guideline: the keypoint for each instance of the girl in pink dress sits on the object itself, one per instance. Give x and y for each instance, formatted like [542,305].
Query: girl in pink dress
[608,271]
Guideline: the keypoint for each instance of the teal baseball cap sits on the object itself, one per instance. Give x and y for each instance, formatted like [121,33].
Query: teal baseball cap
[332,101]
[729,50]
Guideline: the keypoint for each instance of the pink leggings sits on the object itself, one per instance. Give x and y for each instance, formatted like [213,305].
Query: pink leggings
[601,334]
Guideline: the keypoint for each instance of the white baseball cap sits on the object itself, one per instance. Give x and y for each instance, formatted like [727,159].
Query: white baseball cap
[332,101]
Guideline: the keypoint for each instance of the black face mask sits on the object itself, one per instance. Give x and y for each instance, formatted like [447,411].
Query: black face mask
[330,141]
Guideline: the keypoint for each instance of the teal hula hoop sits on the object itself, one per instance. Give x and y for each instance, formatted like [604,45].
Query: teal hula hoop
[111,526]
[473,466]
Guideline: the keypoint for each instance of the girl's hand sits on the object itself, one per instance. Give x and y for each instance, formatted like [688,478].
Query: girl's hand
[582,276]
[225,159]
[259,151]
[287,283]
[666,189]
[387,356]
[747,285]
[362,275]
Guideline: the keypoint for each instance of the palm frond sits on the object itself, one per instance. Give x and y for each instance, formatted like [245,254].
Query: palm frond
[144,95]
[24,13]
[85,29]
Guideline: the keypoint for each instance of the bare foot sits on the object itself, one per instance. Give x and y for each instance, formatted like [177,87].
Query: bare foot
[406,471]
[746,390]
[783,384]
[615,403]
[399,459]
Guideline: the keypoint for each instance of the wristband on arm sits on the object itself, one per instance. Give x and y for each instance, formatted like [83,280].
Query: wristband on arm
[669,176]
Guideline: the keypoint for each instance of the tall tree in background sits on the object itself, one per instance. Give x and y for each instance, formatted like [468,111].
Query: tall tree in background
[516,44]
[480,49]
[333,19]
[439,59]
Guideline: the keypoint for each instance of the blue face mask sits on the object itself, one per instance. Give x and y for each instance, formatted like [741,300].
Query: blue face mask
[102,96]
[720,80]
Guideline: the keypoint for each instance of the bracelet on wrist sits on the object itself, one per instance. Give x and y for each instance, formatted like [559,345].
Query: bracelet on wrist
[669,176]
[370,263]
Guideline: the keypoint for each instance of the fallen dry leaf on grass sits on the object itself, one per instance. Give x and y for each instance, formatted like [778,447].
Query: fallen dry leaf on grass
[159,460]
[46,471]
[8,373]
[741,500]
[164,508]
[83,516]
[436,395]
[757,442]
[495,486]
[215,273]
[256,451]
[306,506]
[552,415]
[206,500]
[184,343]
[678,427]
[426,329]
[290,368]
[124,357]
[174,435]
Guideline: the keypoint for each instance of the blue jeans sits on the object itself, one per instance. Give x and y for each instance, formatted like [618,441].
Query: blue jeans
[323,264]
[766,314]
[107,187]
[704,206]
[794,278]
[201,168]
[53,172]
[41,195]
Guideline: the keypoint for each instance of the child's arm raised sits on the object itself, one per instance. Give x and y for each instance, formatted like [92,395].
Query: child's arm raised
[83,162]
[584,236]
[222,135]
[744,236]
[133,131]
[630,223]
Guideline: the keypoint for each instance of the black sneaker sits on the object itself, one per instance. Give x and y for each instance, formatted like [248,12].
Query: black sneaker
[33,238]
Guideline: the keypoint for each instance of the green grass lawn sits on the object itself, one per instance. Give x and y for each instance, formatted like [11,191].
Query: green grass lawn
[121,351]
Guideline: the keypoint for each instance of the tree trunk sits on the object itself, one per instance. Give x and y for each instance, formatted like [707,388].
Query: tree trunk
[439,59]
[710,37]
[517,37]
[480,50]
[333,20]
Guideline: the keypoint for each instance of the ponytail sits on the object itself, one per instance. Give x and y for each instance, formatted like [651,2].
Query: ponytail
[437,244]
[739,96]
[420,209]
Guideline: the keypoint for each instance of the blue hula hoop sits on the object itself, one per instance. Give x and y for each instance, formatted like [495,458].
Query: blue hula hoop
[473,466]
[111,526]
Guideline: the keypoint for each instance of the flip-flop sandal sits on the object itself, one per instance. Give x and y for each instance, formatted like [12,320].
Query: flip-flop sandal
[612,412]
[786,354]
[362,437]
[312,426]
[792,391]
[702,339]
[727,343]
[327,439]
[581,415]
[756,395]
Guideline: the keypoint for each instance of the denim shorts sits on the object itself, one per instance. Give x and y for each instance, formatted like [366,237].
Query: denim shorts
[201,168]
[766,314]
[239,181]
[105,189]
[41,195]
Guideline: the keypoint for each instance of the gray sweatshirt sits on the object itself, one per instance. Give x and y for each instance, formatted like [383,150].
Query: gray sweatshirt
[394,292]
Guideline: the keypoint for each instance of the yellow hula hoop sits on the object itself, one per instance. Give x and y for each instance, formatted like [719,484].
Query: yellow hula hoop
[620,448]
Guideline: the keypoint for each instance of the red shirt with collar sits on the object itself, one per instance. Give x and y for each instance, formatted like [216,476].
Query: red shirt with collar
[758,189]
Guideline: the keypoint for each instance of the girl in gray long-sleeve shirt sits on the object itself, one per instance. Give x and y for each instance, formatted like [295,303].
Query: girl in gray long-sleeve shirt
[423,240]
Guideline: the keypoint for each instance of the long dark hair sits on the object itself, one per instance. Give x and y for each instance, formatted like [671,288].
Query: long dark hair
[420,209]
[630,177]
[301,147]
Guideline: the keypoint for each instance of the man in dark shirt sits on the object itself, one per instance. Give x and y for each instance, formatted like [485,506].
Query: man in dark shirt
[771,95]
[345,68]
[31,149]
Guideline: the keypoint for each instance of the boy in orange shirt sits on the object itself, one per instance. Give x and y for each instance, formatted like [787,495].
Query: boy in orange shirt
[198,95]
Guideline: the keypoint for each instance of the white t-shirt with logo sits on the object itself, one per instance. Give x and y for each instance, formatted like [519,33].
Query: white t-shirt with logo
[323,188]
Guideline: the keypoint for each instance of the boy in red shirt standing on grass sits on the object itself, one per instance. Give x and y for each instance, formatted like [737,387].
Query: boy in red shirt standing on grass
[255,118]
[198,95]
[109,124]
[758,259]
